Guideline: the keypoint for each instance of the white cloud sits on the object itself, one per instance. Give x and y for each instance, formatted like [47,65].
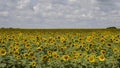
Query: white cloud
[23,3]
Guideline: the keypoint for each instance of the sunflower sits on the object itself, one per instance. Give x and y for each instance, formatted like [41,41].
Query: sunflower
[31,54]
[16,47]
[10,52]
[11,46]
[75,53]
[89,39]
[115,50]
[80,54]
[102,40]
[101,58]
[18,57]
[44,58]
[3,52]
[63,48]
[34,64]
[26,55]
[91,58]
[116,40]
[83,42]
[34,58]
[103,52]
[109,45]
[49,53]
[27,45]
[37,43]
[39,49]
[25,40]
[75,57]
[87,48]
[55,55]
[65,57]
[16,52]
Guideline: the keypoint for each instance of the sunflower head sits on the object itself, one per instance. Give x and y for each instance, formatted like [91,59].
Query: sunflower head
[26,55]
[55,54]
[115,50]
[16,51]
[31,54]
[39,48]
[91,58]
[44,58]
[89,39]
[34,58]
[101,58]
[103,52]
[34,64]
[65,57]
[109,45]
[27,45]
[3,52]
[116,40]
[49,53]
[18,57]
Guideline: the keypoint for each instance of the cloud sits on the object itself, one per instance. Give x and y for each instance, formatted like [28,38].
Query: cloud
[23,3]
[59,13]
[4,13]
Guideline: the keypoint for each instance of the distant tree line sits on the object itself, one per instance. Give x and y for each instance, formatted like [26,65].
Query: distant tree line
[113,27]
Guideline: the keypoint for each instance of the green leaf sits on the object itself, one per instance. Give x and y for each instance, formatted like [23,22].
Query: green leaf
[1,59]
[38,66]
[23,62]
[13,66]
[2,65]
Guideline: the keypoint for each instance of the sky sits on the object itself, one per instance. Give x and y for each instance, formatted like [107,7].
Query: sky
[59,13]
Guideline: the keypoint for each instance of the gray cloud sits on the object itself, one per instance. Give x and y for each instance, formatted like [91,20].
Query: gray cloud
[59,13]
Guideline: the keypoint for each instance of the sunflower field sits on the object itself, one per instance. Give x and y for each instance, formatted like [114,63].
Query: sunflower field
[22,48]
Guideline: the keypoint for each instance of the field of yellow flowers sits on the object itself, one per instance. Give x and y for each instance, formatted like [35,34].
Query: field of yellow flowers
[22,48]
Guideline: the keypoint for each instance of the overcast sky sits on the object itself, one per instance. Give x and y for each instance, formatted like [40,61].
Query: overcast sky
[59,13]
